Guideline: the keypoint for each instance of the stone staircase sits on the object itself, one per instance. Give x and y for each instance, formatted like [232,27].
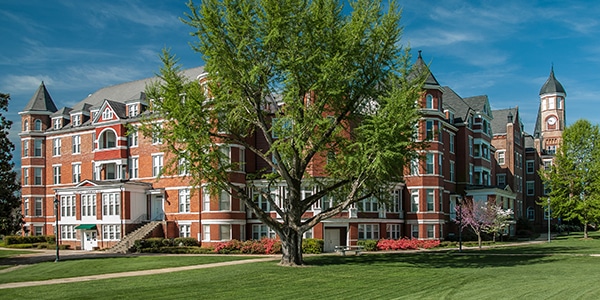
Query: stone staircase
[125,244]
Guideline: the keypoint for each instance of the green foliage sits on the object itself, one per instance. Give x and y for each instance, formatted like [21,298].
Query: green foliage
[308,81]
[574,180]
[30,239]
[10,202]
[370,245]
[312,246]
[182,241]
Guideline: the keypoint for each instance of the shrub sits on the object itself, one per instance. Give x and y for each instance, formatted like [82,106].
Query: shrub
[312,246]
[181,241]
[263,246]
[31,239]
[407,244]
[370,245]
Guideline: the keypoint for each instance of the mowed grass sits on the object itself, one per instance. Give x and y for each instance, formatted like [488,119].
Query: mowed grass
[4,253]
[96,266]
[535,273]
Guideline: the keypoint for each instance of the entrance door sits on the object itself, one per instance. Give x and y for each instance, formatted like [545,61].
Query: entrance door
[90,240]
[157,212]
[331,239]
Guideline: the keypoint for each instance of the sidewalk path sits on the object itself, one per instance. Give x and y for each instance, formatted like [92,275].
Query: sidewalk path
[133,273]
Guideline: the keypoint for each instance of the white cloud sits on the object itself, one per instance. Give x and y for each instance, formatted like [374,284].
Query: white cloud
[19,84]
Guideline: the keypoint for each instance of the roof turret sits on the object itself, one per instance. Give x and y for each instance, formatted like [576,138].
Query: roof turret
[41,101]
[552,85]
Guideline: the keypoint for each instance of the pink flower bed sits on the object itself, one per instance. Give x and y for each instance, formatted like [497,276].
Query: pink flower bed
[406,244]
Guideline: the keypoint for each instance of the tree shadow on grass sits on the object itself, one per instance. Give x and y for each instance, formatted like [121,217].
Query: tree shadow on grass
[468,259]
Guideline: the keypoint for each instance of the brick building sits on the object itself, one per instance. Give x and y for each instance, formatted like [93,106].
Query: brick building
[102,176]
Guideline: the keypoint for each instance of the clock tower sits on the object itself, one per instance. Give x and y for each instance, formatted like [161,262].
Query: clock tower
[551,116]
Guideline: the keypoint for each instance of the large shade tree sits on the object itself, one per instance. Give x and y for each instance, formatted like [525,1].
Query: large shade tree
[10,216]
[573,180]
[329,93]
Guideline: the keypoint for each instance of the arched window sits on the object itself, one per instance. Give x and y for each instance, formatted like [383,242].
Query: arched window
[108,139]
[26,125]
[429,101]
[38,125]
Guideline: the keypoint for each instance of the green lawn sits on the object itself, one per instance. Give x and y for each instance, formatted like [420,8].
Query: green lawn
[4,253]
[487,274]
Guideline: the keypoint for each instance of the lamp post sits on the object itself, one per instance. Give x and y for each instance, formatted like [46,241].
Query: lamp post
[459,217]
[57,232]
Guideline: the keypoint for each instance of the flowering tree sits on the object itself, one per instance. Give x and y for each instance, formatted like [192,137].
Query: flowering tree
[488,218]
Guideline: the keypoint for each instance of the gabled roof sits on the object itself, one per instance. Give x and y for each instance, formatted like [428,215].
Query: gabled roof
[63,112]
[552,85]
[479,104]
[501,119]
[41,101]
[456,102]
[118,109]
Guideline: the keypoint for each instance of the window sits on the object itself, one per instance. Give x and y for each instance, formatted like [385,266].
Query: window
[25,176]
[224,232]
[183,166]
[25,206]
[414,201]
[184,201]
[501,157]
[451,143]
[471,146]
[107,114]
[156,138]
[38,212]
[111,232]
[396,202]
[134,167]
[56,143]
[477,150]
[242,160]
[133,110]
[132,138]
[225,159]
[430,199]
[281,127]
[414,166]
[441,164]
[205,200]
[57,123]
[369,204]
[393,231]
[224,201]
[76,170]
[551,149]
[76,144]
[184,230]
[67,206]
[430,231]
[429,101]
[56,174]
[206,232]
[37,148]
[76,120]
[530,166]
[108,139]
[67,232]
[368,231]
[530,188]
[37,176]
[25,148]
[470,173]
[260,231]
[111,205]
[452,172]
[430,164]
[26,125]
[414,231]
[530,213]
[429,130]
[262,202]
[37,125]
[157,164]
[88,205]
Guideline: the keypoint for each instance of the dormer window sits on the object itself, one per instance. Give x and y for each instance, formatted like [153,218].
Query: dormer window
[76,120]
[57,123]
[133,110]
[107,114]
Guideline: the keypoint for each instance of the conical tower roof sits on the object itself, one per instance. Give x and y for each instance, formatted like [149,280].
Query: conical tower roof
[418,68]
[41,101]
[552,85]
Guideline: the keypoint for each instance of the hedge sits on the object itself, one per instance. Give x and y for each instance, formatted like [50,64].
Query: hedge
[30,239]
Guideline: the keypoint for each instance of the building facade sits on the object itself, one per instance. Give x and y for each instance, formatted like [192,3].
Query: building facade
[87,169]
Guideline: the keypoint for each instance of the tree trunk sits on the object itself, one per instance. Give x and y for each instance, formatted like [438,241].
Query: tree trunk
[585,231]
[479,239]
[291,248]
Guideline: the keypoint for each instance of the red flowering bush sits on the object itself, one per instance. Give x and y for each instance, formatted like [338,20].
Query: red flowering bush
[263,246]
[406,244]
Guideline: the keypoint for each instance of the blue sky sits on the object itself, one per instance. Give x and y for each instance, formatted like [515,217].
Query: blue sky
[503,49]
